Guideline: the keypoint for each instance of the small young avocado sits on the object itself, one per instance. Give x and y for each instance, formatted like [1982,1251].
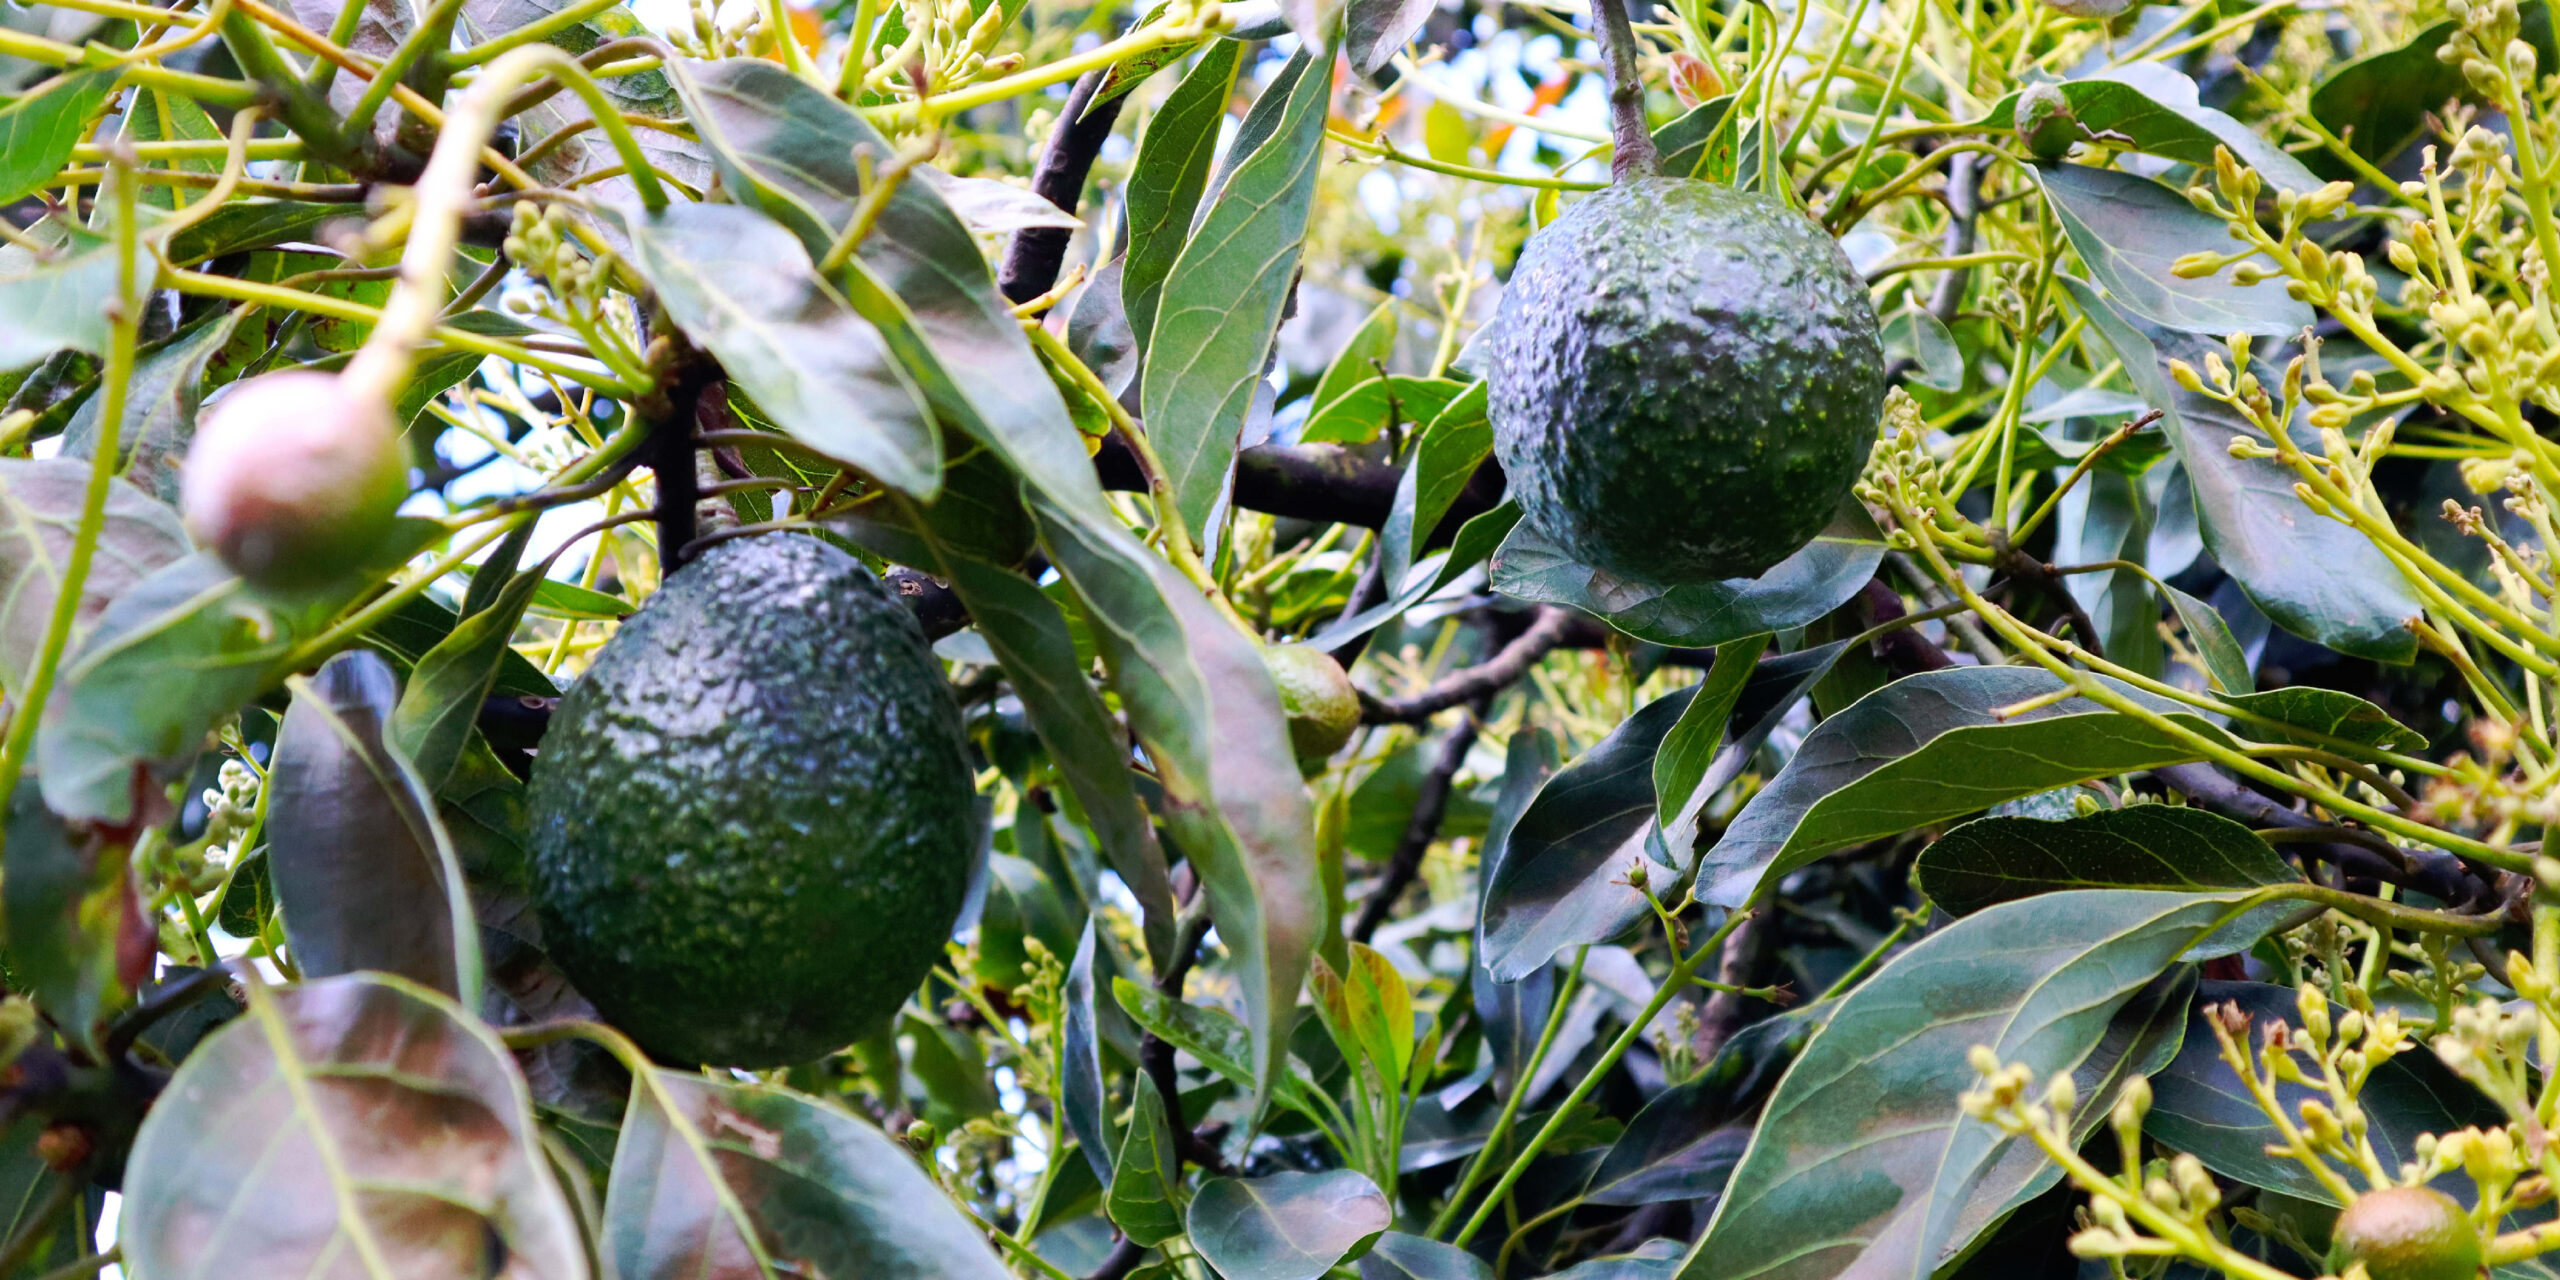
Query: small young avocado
[753,816]
[1323,708]
[1684,380]
[2407,1233]
[294,478]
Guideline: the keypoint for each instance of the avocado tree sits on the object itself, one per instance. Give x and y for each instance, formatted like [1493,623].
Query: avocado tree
[1400,639]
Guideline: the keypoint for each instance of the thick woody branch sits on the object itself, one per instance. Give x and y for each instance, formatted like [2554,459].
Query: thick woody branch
[1033,259]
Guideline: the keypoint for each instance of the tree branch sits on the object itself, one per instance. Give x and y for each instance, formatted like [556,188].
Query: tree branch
[1033,259]
[1470,683]
[1430,804]
[2433,872]
[1632,153]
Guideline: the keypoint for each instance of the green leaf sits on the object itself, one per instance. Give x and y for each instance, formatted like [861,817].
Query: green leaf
[1145,1200]
[2130,229]
[157,115]
[250,224]
[1081,1089]
[24,1185]
[1285,1226]
[68,903]
[1221,303]
[1863,1163]
[1923,749]
[1917,334]
[2327,718]
[715,1180]
[741,286]
[1214,1037]
[1377,30]
[440,369]
[1652,1260]
[1029,635]
[1691,744]
[1563,878]
[173,657]
[421,623]
[39,128]
[450,681]
[2198,1106]
[1399,1256]
[2379,104]
[1812,582]
[2106,518]
[1364,410]
[1457,441]
[2149,107]
[1194,688]
[40,505]
[1371,345]
[362,866]
[2309,574]
[161,399]
[2211,637]
[2148,846]
[1699,143]
[1168,177]
[356,1125]
[59,303]
[1685,1143]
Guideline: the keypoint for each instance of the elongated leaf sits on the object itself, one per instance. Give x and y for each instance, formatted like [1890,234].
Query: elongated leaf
[1690,747]
[1685,1143]
[2148,846]
[442,702]
[1146,1183]
[69,904]
[2200,1107]
[1080,1070]
[2129,230]
[157,115]
[1165,183]
[1364,410]
[249,224]
[1863,1165]
[714,1180]
[361,864]
[172,657]
[2307,573]
[159,410]
[1812,582]
[742,287]
[25,1187]
[1563,877]
[1652,1260]
[59,303]
[1379,29]
[1194,687]
[1399,1256]
[2152,108]
[2211,637]
[1221,302]
[1457,441]
[1922,749]
[1215,1038]
[1285,1226]
[1030,638]
[357,1125]
[40,127]
[2328,718]
[40,505]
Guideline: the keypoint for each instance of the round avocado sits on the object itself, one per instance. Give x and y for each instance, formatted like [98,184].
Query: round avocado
[752,816]
[2407,1233]
[1686,380]
[1315,692]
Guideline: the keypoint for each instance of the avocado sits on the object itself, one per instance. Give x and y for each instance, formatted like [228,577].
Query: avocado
[2407,1233]
[1317,696]
[753,818]
[1685,380]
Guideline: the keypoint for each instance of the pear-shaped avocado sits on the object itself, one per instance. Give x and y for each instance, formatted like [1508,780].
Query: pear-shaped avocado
[1685,380]
[2407,1233]
[753,818]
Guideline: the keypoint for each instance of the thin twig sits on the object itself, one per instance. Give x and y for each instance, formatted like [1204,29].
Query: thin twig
[1469,683]
[1430,804]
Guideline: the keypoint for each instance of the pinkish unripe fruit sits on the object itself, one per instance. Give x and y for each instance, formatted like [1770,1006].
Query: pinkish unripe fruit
[294,478]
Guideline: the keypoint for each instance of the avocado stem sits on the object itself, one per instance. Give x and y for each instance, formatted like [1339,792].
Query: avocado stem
[1632,153]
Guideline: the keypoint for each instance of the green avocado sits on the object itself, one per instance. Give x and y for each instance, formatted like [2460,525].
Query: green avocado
[2407,1233]
[1685,381]
[753,816]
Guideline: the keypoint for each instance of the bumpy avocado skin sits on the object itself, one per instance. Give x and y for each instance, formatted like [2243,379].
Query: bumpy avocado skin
[1685,380]
[753,823]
